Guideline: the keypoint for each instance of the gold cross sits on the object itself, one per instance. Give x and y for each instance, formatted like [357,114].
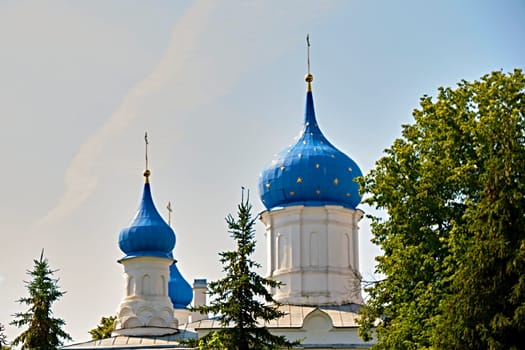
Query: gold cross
[308,51]
[169,212]
[147,143]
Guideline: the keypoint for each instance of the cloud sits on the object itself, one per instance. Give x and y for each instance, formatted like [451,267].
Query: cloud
[209,52]
[80,178]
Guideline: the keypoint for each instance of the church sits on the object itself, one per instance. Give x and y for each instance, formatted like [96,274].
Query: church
[311,221]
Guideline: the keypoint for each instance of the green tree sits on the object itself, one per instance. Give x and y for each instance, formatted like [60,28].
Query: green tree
[43,330]
[104,329]
[3,337]
[241,299]
[454,239]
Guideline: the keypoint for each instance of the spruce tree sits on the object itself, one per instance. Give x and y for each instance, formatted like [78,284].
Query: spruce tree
[241,300]
[3,337]
[43,330]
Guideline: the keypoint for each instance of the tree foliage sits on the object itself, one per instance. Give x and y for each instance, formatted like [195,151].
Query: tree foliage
[454,239]
[104,329]
[241,299]
[43,330]
[3,337]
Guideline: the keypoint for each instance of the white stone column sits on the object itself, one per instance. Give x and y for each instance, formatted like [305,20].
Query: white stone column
[146,309]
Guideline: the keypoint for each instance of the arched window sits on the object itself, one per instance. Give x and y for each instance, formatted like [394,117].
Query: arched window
[346,250]
[314,249]
[283,257]
[164,284]
[130,285]
[146,285]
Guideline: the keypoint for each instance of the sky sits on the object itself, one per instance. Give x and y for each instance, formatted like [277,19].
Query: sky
[219,87]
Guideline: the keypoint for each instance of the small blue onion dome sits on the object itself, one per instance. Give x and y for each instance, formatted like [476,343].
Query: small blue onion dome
[311,172]
[148,234]
[179,290]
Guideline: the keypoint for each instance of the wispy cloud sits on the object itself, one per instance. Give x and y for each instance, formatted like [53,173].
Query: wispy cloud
[80,178]
[208,53]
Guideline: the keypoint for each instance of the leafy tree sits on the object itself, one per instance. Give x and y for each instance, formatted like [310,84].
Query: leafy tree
[454,239]
[44,331]
[238,295]
[104,329]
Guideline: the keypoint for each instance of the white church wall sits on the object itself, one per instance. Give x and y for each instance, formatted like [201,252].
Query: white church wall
[313,251]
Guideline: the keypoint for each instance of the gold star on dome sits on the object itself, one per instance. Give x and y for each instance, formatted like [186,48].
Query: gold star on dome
[307,123]
[318,192]
[282,167]
[268,185]
[317,166]
[350,169]
[348,194]
[336,181]
[300,155]
[292,193]
[304,142]
[299,180]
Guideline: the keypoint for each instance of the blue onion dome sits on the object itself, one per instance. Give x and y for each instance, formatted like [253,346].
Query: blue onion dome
[179,290]
[148,234]
[311,172]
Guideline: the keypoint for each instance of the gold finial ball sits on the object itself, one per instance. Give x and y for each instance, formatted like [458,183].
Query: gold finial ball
[147,173]
[309,78]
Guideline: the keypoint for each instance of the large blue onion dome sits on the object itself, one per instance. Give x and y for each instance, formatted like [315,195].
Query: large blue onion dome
[179,290]
[312,171]
[148,234]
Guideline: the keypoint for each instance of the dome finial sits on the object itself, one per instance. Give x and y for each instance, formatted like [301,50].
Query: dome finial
[170,210]
[147,173]
[311,172]
[309,77]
